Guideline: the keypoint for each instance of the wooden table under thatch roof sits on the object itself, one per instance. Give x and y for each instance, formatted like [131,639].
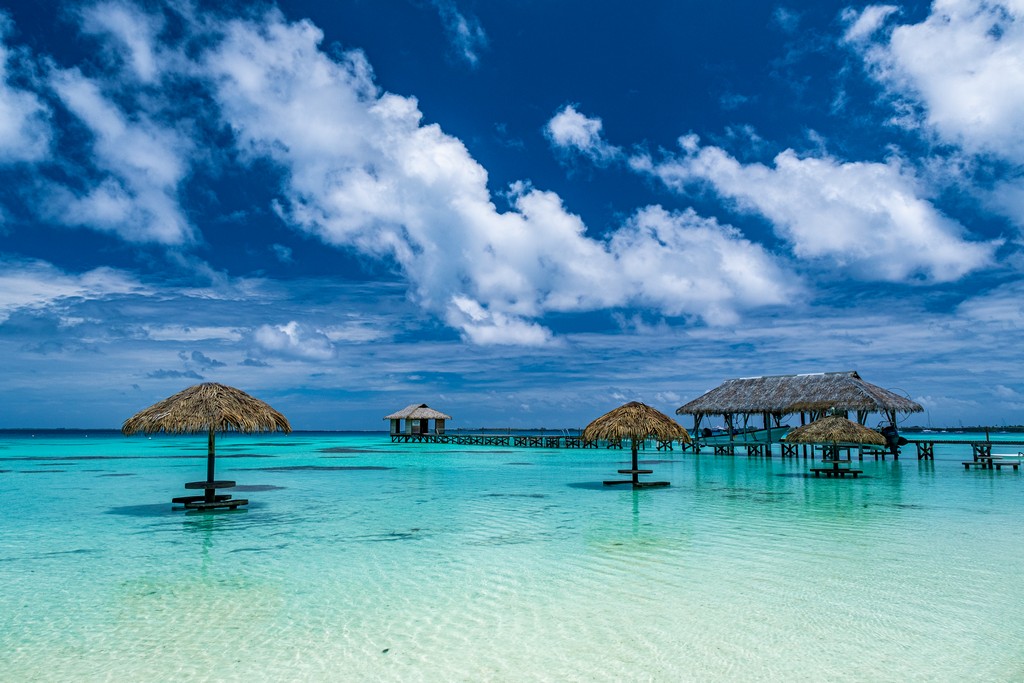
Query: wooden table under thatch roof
[635,421]
[834,430]
[209,408]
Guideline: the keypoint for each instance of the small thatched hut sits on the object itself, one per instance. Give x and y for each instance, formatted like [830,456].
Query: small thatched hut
[417,420]
[781,395]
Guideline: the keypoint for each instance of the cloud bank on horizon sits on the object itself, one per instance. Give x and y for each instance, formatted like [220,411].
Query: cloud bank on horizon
[121,152]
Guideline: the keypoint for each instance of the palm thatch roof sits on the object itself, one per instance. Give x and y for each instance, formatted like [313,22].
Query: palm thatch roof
[418,411]
[209,407]
[796,393]
[635,421]
[834,429]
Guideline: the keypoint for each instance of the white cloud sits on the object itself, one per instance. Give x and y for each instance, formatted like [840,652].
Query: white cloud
[572,131]
[294,340]
[1007,198]
[864,24]
[37,285]
[486,327]
[862,216]
[964,64]
[1001,308]
[466,33]
[358,331]
[680,263]
[364,172]
[786,19]
[25,133]
[145,163]
[133,32]
[192,334]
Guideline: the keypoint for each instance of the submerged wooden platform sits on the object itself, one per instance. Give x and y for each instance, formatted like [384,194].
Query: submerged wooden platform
[210,500]
[230,504]
[833,472]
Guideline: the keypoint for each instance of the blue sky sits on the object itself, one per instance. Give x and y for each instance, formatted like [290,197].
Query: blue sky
[522,213]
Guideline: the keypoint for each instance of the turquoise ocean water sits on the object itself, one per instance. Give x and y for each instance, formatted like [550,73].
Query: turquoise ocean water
[360,560]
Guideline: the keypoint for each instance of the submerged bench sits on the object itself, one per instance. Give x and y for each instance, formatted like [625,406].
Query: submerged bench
[230,504]
[834,472]
[210,500]
[181,500]
[990,463]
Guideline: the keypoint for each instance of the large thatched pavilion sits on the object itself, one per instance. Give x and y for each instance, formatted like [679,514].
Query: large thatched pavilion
[810,395]
[417,419]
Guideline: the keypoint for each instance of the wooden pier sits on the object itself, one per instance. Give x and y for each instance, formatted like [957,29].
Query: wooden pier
[925,448]
[523,440]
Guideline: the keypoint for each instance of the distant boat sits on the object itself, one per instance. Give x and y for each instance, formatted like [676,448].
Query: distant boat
[751,434]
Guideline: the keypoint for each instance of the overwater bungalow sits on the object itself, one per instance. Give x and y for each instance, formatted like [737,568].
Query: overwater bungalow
[417,419]
[810,396]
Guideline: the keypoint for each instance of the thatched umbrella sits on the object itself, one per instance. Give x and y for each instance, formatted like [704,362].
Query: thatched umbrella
[834,429]
[209,408]
[635,421]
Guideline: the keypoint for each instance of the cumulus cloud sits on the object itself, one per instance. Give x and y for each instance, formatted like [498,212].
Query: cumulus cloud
[294,340]
[37,285]
[866,217]
[681,263]
[364,172]
[571,131]
[964,66]
[25,132]
[466,33]
[361,171]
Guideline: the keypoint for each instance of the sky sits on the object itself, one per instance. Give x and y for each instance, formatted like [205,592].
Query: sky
[523,213]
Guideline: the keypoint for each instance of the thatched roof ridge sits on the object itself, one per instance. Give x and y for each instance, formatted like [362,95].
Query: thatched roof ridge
[794,393]
[835,429]
[637,421]
[204,406]
[418,411]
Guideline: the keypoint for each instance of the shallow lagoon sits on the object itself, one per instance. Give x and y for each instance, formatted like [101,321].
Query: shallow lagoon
[363,560]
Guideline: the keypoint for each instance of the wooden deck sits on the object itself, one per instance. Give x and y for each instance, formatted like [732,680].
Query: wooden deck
[523,441]
[926,447]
